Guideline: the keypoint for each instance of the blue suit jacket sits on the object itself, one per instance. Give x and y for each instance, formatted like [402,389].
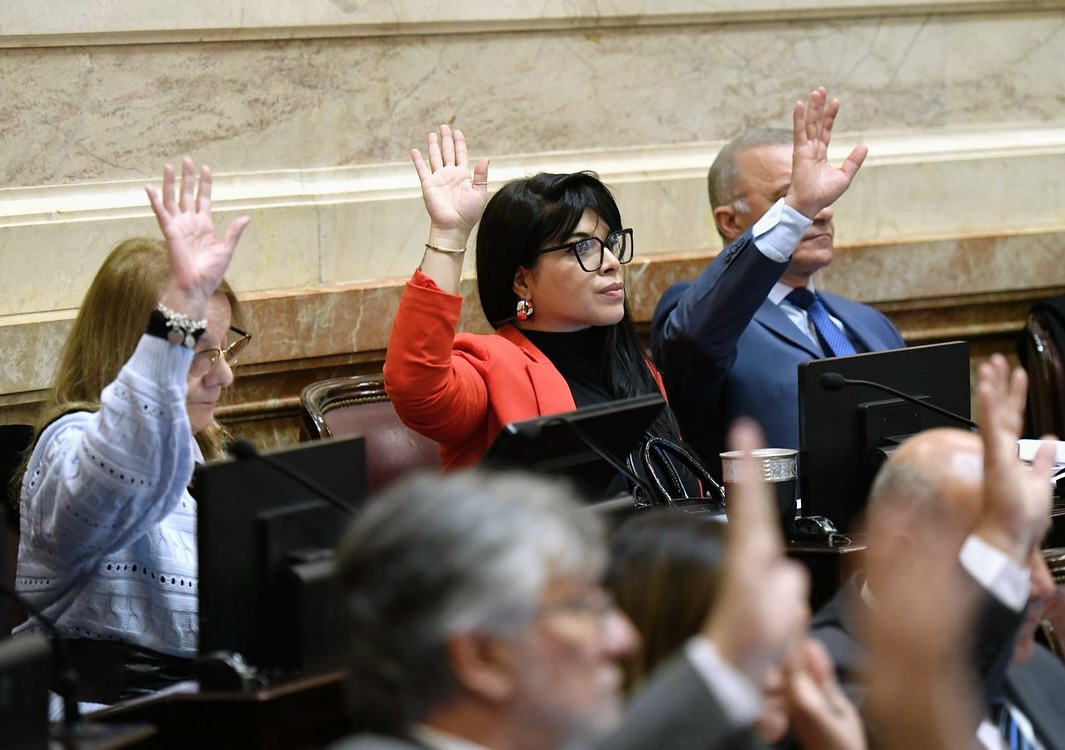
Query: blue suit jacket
[725,351]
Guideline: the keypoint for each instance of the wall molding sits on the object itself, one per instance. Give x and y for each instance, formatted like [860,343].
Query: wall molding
[59,23]
[915,186]
[241,191]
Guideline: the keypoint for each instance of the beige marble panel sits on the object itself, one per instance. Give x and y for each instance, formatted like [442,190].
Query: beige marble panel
[29,352]
[278,250]
[945,268]
[48,266]
[943,197]
[112,112]
[372,239]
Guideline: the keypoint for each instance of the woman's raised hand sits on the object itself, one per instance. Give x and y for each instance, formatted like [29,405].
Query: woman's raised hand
[454,197]
[198,259]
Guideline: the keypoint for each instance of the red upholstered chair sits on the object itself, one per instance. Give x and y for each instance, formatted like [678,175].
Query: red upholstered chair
[1046,372]
[1047,634]
[358,406]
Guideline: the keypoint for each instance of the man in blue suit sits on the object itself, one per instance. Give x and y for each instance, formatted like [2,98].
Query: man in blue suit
[728,344]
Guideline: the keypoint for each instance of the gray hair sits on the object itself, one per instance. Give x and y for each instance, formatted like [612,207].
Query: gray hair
[902,485]
[723,178]
[435,556]
[907,486]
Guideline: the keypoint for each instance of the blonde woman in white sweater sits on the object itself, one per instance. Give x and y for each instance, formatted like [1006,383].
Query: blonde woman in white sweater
[107,545]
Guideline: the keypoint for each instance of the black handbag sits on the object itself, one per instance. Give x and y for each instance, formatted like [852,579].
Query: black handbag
[668,470]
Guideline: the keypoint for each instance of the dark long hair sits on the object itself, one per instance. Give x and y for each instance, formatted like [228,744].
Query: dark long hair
[531,213]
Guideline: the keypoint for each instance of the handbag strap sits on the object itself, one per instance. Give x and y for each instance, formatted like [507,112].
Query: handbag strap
[660,456]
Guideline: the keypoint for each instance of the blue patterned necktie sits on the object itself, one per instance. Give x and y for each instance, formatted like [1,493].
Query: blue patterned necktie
[833,341]
[1008,727]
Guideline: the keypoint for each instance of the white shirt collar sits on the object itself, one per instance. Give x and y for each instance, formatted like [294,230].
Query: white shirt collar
[440,740]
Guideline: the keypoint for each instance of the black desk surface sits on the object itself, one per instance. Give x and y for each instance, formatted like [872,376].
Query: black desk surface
[298,714]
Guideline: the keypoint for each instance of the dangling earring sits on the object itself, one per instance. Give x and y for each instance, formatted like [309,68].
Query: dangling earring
[525,309]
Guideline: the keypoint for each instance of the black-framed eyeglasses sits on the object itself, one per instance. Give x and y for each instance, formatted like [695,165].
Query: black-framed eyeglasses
[203,361]
[589,251]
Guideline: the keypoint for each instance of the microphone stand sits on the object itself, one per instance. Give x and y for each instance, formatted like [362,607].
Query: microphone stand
[830,383]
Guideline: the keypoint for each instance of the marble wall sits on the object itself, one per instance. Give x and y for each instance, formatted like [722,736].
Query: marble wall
[307,113]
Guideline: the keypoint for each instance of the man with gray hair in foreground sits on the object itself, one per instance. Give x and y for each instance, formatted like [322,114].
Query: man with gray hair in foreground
[477,619]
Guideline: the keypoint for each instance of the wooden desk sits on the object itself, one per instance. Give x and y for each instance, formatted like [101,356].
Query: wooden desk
[297,715]
[829,566]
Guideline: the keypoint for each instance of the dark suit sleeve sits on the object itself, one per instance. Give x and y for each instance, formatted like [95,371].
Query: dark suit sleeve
[994,631]
[696,327]
[996,634]
[677,711]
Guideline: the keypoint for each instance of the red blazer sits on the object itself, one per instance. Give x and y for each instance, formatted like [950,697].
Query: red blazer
[460,390]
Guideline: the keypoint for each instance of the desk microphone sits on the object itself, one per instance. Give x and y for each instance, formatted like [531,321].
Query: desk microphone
[833,381]
[246,451]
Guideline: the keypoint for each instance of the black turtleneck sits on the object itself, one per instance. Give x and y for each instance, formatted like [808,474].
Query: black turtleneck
[578,356]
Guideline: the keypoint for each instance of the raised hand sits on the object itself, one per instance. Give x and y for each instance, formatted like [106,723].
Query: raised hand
[815,183]
[761,611]
[454,198]
[198,259]
[822,716]
[1017,499]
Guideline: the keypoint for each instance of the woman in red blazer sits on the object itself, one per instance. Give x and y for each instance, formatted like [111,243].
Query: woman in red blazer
[549,255]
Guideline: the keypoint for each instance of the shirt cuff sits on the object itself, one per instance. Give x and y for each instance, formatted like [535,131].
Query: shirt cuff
[740,699]
[996,572]
[778,232]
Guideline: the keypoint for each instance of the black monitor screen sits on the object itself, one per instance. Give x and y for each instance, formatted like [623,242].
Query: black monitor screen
[562,444]
[265,552]
[844,434]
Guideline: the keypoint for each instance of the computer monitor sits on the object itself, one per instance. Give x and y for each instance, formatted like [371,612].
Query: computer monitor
[266,542]
[846,434]
[565,444]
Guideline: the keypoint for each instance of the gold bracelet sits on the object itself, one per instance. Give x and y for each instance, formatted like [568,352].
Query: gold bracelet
[449,250]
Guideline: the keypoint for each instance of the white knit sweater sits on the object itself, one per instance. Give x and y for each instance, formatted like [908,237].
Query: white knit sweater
[108,529]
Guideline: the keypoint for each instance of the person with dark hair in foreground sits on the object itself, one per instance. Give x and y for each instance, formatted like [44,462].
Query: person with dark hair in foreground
[476,618]
[664,573]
